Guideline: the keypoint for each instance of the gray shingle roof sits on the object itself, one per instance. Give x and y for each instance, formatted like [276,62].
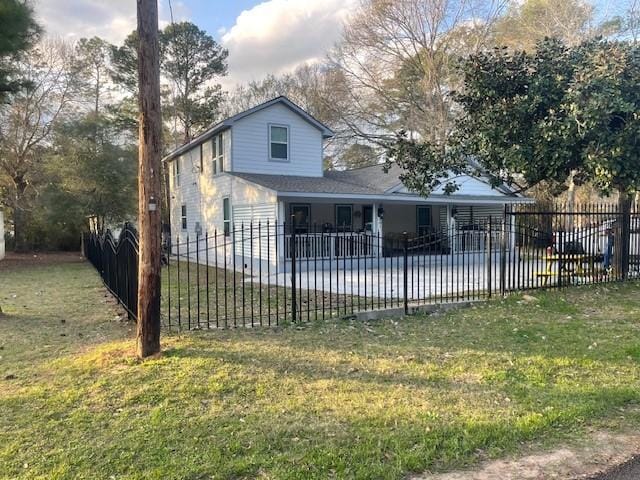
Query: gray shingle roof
[294,183]
[373,180]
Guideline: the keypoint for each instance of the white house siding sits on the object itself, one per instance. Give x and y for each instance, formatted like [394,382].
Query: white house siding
[250,144]
[203,194]
[470,214]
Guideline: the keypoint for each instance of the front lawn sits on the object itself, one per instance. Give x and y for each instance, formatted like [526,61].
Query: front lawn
[334,399]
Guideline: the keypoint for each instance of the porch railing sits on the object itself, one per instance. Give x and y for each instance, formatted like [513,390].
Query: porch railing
[329,245]
[476,240]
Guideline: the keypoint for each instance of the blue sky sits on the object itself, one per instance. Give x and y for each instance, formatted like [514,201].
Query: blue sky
[262,36]
[214,14]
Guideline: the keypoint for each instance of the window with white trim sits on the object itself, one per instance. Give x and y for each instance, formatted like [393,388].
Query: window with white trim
[217,154]
[278,143]
[176,172]
[220,149]
[183,216]
[226,216]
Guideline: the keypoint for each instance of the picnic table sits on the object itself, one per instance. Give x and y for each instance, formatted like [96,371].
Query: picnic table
[570,266]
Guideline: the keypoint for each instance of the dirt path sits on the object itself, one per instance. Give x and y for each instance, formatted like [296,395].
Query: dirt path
[601,452]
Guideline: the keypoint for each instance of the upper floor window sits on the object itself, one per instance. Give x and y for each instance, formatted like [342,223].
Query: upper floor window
[278,142]
[176,172]
[217,154]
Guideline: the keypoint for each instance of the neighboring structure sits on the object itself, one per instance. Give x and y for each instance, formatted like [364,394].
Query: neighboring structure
[2,251]
[266,165]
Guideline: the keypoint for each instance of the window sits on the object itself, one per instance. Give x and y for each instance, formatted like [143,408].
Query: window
[278,143]
[183,217]
[217,154]
[220,153]
[344,218]
[423,220]
[226,217]
[214,155]
[176,172]
[300,216]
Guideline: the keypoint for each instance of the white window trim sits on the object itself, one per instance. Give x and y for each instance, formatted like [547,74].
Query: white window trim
[219,157]
[176,172]
[280,160]
[225,232]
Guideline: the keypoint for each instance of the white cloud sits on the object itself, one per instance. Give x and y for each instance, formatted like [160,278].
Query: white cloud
[112,20]
[277,35]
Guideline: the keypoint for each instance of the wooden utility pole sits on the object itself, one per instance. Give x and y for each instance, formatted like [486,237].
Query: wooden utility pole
[149,172]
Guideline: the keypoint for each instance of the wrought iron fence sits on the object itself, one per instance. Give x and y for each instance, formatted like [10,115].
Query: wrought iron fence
[116,259]
[267,273]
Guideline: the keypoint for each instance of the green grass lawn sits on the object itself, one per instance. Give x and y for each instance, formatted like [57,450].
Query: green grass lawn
[197,296]
[336,399]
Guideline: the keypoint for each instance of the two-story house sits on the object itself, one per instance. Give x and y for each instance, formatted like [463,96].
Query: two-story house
[266,165]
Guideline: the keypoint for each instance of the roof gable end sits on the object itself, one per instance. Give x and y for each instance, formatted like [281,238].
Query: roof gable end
[228,123]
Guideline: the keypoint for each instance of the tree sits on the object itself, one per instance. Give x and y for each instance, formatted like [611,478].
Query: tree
[124,61]
[191,62]
[91,170]
[18,33]
[359,155]
[94,69]
[542,116]
[527,22]
[27,123]
[396,60]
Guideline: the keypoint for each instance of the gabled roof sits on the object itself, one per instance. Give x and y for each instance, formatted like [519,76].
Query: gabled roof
[228,123]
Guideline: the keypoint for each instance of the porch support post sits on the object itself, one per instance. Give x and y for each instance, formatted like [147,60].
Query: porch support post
[280,233]
[377,227]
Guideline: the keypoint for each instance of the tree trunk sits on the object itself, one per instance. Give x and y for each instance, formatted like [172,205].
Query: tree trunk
[20,243]
[149,189]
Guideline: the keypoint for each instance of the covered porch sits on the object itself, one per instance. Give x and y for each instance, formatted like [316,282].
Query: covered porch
[329,227]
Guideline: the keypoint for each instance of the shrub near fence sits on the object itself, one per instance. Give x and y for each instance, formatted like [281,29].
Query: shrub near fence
[266,274]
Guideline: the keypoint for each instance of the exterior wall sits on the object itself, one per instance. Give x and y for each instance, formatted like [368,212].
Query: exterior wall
[470,214]
[203,195]
[1,235]
[250,144]
[402,218]
[398,218]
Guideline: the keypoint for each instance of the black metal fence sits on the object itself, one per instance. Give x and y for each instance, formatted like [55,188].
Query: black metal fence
[263,273]
[117,262]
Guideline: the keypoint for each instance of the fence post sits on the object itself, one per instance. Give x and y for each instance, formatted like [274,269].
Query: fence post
[503,253]
[489,259]
[406,272]
[561,246]
[294,312]
[625,237]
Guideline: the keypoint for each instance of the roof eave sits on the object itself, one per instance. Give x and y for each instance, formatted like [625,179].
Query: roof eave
[196,141]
